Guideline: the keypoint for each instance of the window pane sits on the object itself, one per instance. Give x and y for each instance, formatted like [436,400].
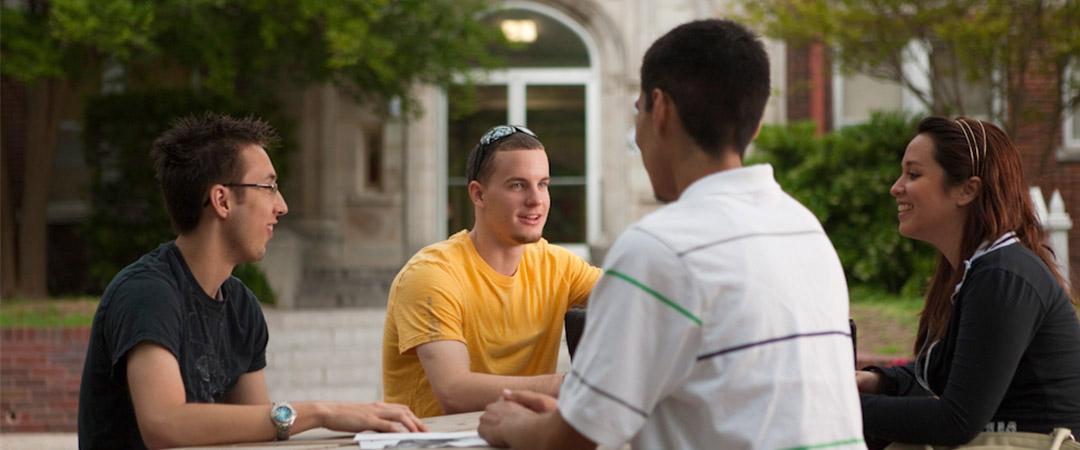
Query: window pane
[470,117]
[459,211]
[976,97]
[566,219]
[863,95]
[552,43]
[1075,124]
[1074,84]
[557,115]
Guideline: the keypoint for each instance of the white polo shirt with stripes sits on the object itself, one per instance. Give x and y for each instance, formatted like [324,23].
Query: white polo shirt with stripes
[721,322]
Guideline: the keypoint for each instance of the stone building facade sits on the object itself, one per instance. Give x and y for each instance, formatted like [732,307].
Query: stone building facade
[352,225]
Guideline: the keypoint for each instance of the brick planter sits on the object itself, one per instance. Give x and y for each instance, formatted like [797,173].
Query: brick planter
[40,371]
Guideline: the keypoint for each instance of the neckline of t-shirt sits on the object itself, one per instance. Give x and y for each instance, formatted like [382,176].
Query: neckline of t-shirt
[486,268]
[193,284]
[738,180]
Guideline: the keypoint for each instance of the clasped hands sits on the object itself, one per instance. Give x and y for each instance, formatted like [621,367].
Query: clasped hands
[508,416]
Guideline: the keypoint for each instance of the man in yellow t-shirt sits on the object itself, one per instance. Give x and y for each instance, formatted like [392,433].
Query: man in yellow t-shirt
[482,311]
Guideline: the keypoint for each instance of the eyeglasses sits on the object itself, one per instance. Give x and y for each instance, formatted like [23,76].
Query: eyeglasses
[483,149]
[272,187]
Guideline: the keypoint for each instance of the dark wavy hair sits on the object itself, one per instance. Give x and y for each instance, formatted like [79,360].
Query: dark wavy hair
[1003,205]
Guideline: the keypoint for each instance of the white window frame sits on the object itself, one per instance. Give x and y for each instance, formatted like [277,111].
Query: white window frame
[516,80]
[1070,137]
[916,68]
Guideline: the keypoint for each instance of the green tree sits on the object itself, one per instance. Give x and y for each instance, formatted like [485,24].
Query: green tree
[239,49]
[42,56]
[995,43]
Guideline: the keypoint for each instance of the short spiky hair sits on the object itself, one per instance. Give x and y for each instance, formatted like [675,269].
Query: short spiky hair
[199,151]
[480,166]
[717,75]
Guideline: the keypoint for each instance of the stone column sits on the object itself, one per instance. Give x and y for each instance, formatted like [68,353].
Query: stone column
[420,138]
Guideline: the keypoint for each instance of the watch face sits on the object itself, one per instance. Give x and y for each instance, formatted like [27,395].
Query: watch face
[281,414]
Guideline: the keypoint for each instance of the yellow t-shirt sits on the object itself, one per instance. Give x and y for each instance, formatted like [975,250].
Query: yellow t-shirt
[512,325]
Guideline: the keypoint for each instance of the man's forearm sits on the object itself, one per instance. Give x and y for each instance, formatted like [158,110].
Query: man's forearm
[207,424]
[473,391]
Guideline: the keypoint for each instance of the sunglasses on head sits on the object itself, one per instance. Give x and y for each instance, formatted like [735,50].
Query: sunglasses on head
[487,141]
[500,132]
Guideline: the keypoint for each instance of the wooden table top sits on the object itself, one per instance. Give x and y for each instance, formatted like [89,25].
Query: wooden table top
[321,438]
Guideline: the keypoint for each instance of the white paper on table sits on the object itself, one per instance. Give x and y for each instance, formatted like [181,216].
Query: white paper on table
[457,439]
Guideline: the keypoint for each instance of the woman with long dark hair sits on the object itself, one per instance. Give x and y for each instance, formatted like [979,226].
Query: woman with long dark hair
[998,346]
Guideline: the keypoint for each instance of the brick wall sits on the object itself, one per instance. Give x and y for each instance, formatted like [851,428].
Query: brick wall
[809,85]
[40,371]
[330,354]
[1038,142]
[797,86]
[325,354]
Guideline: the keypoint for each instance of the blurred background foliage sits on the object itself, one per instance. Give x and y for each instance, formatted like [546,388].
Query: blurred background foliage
[136,65]
[844,178]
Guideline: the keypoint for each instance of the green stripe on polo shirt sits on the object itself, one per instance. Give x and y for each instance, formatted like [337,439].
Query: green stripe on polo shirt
[656,295]
[828,444]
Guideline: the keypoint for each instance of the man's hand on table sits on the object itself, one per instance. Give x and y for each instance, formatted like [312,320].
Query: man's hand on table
[384,417]
[507,416]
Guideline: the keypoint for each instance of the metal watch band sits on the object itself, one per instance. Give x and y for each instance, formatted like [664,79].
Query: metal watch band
[282,425]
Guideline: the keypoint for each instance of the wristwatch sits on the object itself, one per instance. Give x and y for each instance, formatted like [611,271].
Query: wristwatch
[282,415]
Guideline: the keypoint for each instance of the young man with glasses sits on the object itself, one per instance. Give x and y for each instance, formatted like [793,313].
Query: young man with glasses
[721,320]
[483,310]
[178,346]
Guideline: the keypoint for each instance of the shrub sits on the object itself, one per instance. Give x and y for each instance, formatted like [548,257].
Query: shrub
[844,178]
[255,279]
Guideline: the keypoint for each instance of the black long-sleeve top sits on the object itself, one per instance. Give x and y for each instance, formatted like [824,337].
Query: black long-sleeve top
[1009,361]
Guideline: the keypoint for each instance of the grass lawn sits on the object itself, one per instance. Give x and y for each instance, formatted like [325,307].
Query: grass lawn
[57,312]
[885,323]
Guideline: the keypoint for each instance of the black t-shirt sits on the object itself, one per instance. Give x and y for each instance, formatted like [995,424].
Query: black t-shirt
[1009,361]
[156,299]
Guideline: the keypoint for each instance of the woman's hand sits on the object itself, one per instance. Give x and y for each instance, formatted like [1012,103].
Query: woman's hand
[868,382]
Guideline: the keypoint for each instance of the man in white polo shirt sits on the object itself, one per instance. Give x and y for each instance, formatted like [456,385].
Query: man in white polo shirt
[721,319]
